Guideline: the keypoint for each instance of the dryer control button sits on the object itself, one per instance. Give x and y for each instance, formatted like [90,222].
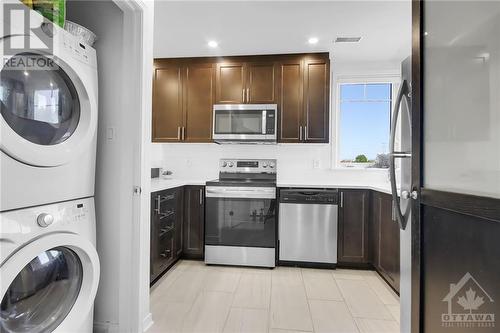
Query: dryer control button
[44,220]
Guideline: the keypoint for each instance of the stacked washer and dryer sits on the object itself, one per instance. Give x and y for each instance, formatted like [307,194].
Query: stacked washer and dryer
[49,268]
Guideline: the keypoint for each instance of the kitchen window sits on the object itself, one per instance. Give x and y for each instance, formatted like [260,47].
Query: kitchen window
[364,121]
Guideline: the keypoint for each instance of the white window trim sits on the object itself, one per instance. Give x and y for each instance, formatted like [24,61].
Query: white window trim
[393,79]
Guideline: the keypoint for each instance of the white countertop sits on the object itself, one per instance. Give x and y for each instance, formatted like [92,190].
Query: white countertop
[385,188]
[158,184]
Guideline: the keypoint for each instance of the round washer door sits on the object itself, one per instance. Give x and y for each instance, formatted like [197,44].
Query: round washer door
[48,116]
[49,284]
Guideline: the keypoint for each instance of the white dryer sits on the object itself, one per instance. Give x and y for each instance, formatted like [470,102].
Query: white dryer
[48,119]
[49,268]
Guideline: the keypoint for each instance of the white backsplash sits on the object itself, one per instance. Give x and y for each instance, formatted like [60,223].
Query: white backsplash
[297,163]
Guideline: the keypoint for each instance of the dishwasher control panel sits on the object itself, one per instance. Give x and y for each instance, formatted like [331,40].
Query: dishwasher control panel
[313,196]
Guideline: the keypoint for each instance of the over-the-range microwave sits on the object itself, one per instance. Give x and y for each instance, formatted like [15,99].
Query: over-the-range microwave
[245,123]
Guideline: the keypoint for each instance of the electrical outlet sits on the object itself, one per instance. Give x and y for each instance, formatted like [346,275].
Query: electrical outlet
[315,164]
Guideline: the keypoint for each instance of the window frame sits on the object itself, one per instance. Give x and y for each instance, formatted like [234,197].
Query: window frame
[393,79]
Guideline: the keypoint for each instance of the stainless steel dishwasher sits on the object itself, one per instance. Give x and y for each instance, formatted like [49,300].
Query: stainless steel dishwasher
[308,220]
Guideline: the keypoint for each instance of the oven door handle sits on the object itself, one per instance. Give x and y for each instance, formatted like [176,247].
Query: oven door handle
[241,192]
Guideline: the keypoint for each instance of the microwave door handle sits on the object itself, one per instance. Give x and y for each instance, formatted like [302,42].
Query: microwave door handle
[264,117]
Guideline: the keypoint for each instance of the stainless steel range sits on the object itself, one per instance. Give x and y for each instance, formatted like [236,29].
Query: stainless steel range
[240,227]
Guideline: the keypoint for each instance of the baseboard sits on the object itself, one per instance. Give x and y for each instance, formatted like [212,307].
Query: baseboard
[107,327]
[307,264]
[147,322]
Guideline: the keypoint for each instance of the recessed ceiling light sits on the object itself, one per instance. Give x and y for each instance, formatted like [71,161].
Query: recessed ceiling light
[213,44]
[313,40]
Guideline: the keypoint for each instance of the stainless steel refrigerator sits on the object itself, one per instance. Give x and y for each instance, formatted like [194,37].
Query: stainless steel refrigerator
[445,169]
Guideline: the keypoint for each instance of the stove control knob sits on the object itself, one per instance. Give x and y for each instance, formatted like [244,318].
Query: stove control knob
[271,165]
[44,220]
[265,165]
[224,164]
[230,164]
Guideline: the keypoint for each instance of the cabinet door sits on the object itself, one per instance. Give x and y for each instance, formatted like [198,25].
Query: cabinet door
[388,263]
[199,94]
[353,227]
[179,219]
[167,102]
[230,83]
[316,100]
[290,100]
[194,222]
[261,83]
[374,229]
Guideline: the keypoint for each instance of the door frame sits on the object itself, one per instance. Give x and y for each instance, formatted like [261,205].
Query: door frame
[416,302]
[137,61]
[483,207]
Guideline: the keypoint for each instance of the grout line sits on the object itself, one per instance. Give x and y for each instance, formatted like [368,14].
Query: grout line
[307,300]
[270,305]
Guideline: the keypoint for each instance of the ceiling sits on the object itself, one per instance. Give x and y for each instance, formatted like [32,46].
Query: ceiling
[183,28]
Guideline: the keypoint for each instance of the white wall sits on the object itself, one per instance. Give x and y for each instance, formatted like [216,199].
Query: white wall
[304,162]
[124,50]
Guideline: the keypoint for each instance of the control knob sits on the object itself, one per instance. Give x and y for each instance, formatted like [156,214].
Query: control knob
[230,164]
[224,164]
[44,220]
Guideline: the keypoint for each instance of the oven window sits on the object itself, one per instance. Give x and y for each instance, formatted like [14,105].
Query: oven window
[241,222]
[238,122]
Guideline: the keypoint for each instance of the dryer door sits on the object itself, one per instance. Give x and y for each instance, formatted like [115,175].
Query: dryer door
[48,115]
[49,284]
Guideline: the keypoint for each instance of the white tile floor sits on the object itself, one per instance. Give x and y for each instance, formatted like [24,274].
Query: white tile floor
[193,297]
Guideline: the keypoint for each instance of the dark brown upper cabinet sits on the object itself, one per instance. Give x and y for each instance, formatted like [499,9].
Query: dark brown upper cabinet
[316,100]
[183,95]
[199,94]
[185,90]
[261,83]
[303,99]
[230,80]
[290,100]
[245,82]
[353,246]
[168,112]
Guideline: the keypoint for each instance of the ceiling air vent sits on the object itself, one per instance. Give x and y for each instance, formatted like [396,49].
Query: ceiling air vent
[347,39]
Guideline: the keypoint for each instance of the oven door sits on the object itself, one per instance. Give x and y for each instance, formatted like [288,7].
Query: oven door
[240,216]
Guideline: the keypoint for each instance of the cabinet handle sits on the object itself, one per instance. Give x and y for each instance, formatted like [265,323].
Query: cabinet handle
[300,133]
[305,133]
[248,95]
[243,94]
[158,203]
[178,133]
[201,196]
[341,199]
[183,133]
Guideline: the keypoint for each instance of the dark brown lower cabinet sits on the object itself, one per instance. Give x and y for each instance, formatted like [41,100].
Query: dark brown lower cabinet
[353,246]
[194,222]
[166,226]
[177,227]
[385,239]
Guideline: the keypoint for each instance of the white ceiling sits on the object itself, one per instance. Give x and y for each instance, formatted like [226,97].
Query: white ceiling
[183,28]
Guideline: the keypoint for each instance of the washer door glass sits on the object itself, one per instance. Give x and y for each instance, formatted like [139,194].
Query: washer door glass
[41,105]
[43,293]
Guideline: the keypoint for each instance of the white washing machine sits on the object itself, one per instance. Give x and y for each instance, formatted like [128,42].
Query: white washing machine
[48,119]
[49,268]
